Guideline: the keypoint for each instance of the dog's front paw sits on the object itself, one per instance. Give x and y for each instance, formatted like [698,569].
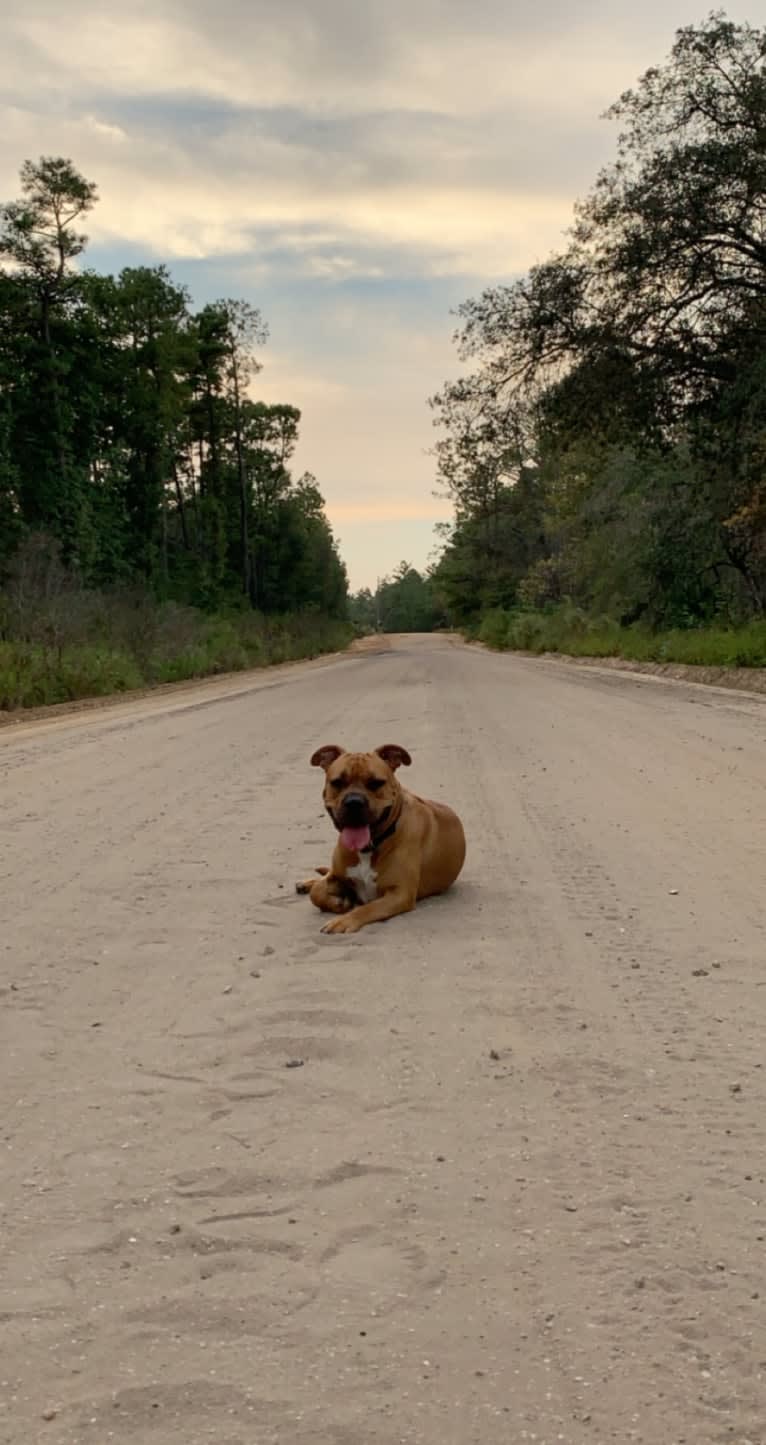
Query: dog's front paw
[345,924]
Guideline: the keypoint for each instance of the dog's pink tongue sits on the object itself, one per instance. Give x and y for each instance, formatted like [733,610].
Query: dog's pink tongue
[355,839]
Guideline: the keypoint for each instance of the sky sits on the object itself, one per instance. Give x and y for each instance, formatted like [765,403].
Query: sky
[353,169]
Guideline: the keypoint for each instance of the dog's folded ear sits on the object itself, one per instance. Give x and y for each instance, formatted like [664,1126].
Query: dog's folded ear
[395,756]
[325,756]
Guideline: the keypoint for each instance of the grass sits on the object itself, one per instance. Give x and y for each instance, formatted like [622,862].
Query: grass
[569,632]
[115,645]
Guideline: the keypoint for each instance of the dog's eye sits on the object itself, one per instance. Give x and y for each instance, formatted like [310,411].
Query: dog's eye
[337,783]
[374,785]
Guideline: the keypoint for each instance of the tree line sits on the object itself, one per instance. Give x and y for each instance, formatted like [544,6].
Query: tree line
[606,444]
[402,602]
[129,438]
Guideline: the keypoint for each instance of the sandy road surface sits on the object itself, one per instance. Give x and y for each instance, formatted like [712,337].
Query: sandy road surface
[514,1192]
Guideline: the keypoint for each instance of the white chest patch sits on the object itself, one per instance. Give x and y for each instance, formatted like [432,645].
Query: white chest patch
[364,879]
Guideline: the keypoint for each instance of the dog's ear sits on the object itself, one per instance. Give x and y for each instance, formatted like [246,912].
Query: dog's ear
[324,757]
[395,756]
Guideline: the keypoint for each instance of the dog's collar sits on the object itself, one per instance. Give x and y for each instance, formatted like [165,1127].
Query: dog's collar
[375,843]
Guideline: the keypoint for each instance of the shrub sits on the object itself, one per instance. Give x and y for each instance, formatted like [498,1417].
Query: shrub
[568,631]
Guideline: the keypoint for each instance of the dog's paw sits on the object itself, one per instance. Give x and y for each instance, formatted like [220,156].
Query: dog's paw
[345,924]
[304,887]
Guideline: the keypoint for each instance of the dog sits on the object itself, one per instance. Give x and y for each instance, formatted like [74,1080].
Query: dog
[393,847]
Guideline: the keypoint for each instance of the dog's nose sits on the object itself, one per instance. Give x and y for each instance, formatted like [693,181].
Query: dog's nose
[354,803]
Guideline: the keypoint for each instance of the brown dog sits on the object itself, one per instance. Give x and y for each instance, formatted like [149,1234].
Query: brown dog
[393,848]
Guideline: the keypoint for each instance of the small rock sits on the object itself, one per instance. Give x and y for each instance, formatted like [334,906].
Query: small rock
[254,973]
[228,988]
[267,951]
[294,1064]
[699,973]
[494,1055]
[735,1088]
[50,1414]
[175,1229]
[673,892]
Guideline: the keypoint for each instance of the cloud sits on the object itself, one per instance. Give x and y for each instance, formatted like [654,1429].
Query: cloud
[252,186]
[355,169]
[327,55]
[223,129]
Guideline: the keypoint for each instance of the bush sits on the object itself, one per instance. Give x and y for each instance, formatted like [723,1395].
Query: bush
[568,631]
[493,630]
[33,676]
[60,641]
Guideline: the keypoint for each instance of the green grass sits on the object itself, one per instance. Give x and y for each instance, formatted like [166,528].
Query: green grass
[572,634]
[135,648]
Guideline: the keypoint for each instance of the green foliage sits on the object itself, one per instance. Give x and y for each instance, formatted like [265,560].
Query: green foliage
[608,442]
[128,434]
[567,631]
[493,629]
[404,602]
[61,641]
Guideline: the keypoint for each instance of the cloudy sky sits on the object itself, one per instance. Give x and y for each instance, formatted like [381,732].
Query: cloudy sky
[353,167]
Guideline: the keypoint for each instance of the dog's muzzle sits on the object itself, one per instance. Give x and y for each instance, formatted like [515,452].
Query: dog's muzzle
[354,812]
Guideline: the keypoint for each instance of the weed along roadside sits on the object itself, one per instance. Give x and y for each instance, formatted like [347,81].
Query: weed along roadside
[99,644]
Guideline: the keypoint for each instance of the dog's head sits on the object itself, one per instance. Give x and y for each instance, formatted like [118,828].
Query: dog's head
[361,792]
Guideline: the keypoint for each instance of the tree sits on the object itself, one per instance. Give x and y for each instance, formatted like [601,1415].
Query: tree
[402,602]
[244,329]
[39,239]
[142,323]
[626,373]
[130,443]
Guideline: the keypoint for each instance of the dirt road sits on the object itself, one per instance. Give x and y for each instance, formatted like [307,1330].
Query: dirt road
[493,1172]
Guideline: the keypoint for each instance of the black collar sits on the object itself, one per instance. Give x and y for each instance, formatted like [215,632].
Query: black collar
[375,843]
